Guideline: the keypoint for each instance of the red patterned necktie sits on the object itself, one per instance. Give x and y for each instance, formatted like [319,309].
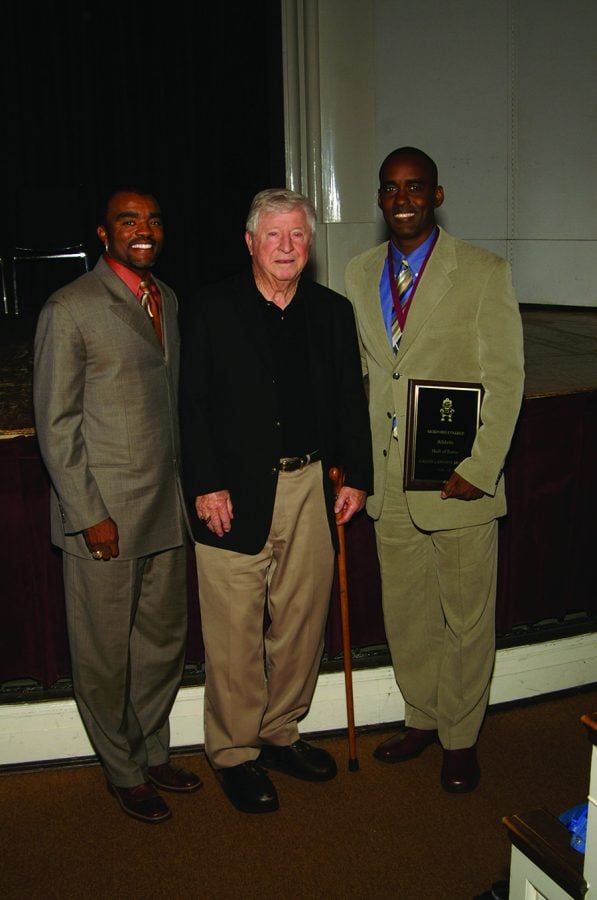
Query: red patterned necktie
[403,282]
[151,304]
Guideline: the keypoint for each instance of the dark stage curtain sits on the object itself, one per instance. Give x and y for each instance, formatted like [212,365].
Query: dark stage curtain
[32,613]
[185,99]
[33,638]
[547,540]
[545,546]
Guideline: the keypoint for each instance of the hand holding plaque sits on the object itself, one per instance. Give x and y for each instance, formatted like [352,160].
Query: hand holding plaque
[442,420]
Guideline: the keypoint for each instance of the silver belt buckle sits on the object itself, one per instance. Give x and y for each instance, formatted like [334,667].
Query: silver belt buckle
[294,463]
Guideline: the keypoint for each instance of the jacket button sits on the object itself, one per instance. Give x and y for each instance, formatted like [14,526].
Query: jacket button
[396,375]
[389,415]
[385,452]
[274,470]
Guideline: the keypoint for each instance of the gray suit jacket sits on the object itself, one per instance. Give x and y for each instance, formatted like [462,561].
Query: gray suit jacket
[463,325]
[105,396]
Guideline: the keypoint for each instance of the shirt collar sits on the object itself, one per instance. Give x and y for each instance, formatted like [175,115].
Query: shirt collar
[416,258]
[131,279]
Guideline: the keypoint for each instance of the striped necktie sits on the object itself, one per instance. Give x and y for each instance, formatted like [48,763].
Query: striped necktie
[151,305]
[403,283]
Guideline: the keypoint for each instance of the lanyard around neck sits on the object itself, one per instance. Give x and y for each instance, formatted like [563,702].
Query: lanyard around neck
[400,309]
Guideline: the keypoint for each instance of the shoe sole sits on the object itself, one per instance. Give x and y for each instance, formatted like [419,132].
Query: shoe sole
[453,789]
[174,790]
[273,806]
[264,759]
[287,770]
[138,816]
[406,757]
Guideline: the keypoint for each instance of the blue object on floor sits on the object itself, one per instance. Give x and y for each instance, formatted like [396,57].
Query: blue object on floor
[575,820]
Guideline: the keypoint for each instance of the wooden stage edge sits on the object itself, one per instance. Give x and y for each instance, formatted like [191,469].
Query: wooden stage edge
[560,359]
[560,345]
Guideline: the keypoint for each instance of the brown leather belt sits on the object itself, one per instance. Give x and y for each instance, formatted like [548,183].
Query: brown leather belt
[292,463]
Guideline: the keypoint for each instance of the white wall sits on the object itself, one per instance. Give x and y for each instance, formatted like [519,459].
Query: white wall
[503,97]
[442,84]
[500,92]
[38,732]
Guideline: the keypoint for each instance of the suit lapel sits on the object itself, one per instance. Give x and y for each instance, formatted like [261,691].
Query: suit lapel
[435,283]
[371,318]
[169,315]
[319,334]
[125,305]
[247,320]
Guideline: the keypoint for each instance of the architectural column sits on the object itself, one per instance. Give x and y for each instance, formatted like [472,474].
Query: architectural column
[329,96]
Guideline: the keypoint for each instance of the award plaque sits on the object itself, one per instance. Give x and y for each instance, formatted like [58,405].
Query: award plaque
[442,420]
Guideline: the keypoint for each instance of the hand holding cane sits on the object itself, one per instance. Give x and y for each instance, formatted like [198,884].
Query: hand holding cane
[337,477]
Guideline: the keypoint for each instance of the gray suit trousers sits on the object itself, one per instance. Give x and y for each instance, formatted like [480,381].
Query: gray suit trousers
[127,627]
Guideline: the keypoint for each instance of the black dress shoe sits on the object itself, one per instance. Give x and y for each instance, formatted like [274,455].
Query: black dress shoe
[407,744]
[248,788]
[170,778]
[300,760]
[460,770]
[141,802]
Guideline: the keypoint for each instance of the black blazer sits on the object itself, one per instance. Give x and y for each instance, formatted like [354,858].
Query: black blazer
[228,404]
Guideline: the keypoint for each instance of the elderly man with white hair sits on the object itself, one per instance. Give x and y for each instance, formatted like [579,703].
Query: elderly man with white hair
[271,398]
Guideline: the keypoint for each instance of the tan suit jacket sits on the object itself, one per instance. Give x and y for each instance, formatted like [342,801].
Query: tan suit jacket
[106,414]
[463,325]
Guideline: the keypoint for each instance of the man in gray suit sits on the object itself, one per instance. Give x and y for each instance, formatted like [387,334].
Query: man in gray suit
[105,394]
[458,321]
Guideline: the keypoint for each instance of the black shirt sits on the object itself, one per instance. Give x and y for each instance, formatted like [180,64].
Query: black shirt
[288,341]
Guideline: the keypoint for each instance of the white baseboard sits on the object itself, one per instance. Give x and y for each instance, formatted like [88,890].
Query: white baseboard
[51,730]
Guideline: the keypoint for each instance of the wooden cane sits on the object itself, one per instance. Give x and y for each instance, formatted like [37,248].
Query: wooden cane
[337,477]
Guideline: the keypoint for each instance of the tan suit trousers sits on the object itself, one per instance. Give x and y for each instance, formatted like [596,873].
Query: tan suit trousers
[258,685]
[438,592]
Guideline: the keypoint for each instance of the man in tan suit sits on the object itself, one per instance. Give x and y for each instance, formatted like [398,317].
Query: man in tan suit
[437,549]
[105,392]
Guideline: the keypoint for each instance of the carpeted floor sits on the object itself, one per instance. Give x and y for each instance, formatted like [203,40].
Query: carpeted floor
[382,833]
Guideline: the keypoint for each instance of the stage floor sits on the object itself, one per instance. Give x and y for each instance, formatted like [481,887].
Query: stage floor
[560,348]
[560,359]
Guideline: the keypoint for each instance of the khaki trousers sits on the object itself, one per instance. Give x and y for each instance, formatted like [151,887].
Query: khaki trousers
[438,593]
[127,628]
[259,685]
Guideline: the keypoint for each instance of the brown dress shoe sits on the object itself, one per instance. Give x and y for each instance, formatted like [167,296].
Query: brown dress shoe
[460,770]
[169,778]
[141,802]
[407,744]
